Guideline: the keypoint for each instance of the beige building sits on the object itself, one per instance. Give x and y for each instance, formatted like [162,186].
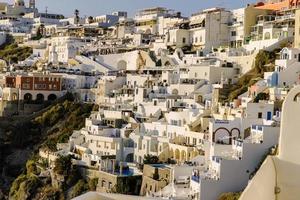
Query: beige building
[297,29]
[155,178]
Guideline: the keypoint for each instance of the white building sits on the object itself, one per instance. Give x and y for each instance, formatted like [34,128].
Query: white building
[277,178]
[287,69]
[63,48]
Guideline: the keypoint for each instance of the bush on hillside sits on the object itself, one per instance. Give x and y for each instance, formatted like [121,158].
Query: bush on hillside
[230,196]
[24,187]
[93,184]
[79,188]
[31,167]
[63,165]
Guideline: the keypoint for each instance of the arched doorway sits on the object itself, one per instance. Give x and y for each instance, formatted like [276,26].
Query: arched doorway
[14,96]
[175,92]
[222,135]
[267,36]
[235,133]
[167,63]
[27,97]
[122,65]
[52,97]
[40,98]
[177,154]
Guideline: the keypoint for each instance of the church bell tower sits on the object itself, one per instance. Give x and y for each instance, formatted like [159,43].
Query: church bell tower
[31,3]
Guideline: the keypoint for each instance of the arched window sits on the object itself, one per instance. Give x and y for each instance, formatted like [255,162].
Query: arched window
[267,36]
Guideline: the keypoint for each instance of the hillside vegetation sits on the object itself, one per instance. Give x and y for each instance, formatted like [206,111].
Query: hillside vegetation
[263,58]
[20,139]
[11,52]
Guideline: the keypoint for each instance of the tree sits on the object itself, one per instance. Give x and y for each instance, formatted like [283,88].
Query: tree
[93,184]
[76,13]
[79,188]
[63,165]
[39,33]
[31,167]
[149,159]
[90,19]
[261,96]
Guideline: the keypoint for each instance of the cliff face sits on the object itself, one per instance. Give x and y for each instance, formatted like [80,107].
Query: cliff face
[21,137]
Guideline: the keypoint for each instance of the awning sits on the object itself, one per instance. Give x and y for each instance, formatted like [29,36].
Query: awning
[197,21]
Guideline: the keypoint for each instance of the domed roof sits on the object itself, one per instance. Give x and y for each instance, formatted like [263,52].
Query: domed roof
[88,151]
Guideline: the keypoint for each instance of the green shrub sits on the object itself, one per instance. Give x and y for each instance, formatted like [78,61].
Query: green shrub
[50,193]
[261,96]
[93,184]
[149,159]
[24,187]
[78,189]
[230,196]
[63,165]
[261,60]
[31,167]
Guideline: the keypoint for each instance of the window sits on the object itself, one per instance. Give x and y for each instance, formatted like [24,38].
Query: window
[259,115]
[26,86]
[269,115]
[233,33]
[113,146]
[194,141]
[40,86]
[183,40]
[103,183]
